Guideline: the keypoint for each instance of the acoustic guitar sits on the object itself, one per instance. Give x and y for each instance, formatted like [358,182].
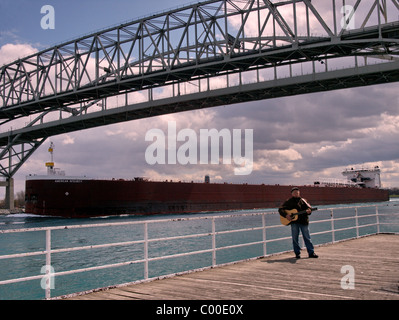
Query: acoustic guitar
[294,214]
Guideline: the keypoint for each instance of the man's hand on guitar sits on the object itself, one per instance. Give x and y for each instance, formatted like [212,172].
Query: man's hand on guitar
[292,215]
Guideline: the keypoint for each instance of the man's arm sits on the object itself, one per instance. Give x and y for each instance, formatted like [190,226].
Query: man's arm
[282,209]
[307,206]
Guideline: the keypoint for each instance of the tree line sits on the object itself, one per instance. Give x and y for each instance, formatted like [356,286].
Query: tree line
[393,191]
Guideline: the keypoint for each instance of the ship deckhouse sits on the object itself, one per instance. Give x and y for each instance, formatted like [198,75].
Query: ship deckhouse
[365,177]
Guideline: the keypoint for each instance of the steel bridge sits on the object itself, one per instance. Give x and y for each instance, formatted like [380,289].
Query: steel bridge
[207,54]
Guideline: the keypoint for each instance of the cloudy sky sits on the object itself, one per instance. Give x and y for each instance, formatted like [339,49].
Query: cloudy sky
[296,140]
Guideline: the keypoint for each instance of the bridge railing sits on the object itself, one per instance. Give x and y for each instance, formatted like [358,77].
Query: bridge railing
[336,222]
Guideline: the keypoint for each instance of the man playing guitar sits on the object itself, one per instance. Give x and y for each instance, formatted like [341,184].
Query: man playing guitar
[298,223]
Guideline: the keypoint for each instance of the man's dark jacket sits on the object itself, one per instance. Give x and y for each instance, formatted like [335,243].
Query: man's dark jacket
[296,203]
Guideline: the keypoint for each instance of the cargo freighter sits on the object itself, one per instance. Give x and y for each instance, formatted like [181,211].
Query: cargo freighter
[56,194]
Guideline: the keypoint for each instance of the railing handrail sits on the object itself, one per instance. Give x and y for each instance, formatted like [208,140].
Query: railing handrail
[92,225]
[49,251]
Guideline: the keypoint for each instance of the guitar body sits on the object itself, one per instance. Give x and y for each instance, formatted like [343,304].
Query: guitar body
[292,213]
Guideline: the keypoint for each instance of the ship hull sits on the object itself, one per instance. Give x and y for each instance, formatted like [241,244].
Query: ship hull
[74,198]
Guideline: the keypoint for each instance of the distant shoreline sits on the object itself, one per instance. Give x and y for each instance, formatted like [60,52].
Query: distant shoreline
[9,211]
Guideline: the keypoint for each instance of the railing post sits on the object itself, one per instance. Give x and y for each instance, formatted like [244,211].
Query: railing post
[332,226]
[378,219]
[357,223]
[145,250]
[213,242]
[48,264]
[264,235]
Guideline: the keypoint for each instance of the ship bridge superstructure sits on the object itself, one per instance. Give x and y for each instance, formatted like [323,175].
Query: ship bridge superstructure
[206,54]
[364,177]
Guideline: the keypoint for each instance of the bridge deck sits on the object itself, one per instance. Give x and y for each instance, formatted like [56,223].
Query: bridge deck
[375,260]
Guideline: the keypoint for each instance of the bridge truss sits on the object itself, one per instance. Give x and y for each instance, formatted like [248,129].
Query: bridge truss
[207,54]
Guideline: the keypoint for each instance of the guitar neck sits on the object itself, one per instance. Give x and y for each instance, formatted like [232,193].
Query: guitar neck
[304,211]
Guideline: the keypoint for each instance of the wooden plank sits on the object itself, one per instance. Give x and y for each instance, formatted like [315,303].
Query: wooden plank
[375,260]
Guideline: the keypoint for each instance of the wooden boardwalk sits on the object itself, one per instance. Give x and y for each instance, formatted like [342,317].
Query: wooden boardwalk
[375,260]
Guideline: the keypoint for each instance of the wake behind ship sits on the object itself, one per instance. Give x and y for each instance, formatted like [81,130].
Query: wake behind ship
[79,197]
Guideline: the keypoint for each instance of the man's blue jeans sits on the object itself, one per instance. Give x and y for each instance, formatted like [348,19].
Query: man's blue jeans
[295,227]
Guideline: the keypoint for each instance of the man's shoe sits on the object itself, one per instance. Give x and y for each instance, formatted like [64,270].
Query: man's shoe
[297,256]
[313,255]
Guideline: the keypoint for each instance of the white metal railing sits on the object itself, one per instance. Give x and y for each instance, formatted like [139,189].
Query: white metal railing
[49,274]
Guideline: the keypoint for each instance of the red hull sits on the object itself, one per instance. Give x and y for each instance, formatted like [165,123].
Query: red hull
[87,198]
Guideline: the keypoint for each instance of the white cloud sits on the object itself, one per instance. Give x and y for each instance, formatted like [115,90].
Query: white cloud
[276,160]
[326,149]
[11,52]
[68,140]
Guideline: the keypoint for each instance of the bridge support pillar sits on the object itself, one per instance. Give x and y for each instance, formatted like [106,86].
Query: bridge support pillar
[9,198]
